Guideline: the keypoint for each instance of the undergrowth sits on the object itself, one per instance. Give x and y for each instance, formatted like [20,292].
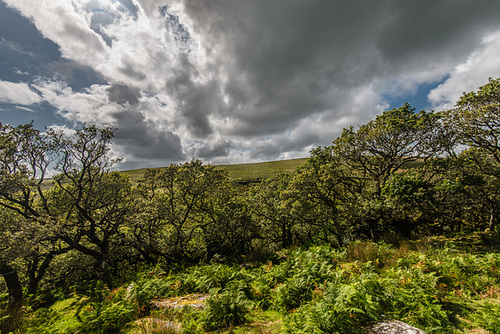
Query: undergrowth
[318,290]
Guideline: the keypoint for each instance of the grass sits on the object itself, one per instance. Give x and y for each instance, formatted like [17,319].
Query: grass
[261,322]
[257,171]
[61,317]
[243,173]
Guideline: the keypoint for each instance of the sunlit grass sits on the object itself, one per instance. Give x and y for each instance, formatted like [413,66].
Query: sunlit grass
[243,173]
[60,318]
[263,170]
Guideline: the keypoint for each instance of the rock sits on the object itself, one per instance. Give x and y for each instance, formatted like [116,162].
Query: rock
[155,325]
[196,300]
[394,327]
[129,290]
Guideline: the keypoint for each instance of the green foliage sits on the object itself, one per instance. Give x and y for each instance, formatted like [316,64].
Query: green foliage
[276,208]
[107,312]
[314,291]
[145,290]
[300,275]
[339,307]
[476,123]
[477,119]
[108,318]
[226,308]
[488,316]
[385,144]
[178,211]
[207,277]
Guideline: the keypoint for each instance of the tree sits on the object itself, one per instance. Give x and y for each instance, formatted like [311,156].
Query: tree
[376,150]
[476,120]
[92,214]
[273,208]
[327,189]
[89,204]
[83,209]
[9,249]
[395,138]
[230,229]
[25,156]
[176,201]
[411,199]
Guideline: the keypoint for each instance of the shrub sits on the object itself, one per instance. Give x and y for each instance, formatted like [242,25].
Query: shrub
[226,309]
[109,316]
[292,293]
[380,255]
[339,307]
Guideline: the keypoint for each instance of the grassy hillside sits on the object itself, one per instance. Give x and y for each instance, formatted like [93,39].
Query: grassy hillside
[243,173]
[263,170]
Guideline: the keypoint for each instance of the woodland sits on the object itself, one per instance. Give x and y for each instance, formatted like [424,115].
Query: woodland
[397,219]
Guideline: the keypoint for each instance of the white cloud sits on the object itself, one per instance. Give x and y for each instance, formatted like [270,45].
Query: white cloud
[468,76]
[17,93]
[67,24]
[88,106]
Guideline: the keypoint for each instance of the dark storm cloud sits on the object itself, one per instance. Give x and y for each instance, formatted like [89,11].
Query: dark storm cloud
[288,61]
[123,94]
[273,149]
[436,28]
[219,149]
[272,115]
[142,140]
[283,60]
[196,100]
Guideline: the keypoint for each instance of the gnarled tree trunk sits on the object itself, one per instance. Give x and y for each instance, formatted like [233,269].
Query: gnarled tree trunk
[14,287]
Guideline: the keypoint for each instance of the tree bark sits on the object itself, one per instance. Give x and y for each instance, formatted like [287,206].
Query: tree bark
[36,273]
[14,287]
[493,220]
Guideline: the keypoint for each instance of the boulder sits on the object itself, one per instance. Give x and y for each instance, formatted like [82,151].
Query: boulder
[394,327]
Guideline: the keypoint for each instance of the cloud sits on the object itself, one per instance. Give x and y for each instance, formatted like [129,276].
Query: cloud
[18,93]
[122,94]
[66,24]
[480,65]
[434,32]
[89,105]
[140,139]
[238,81]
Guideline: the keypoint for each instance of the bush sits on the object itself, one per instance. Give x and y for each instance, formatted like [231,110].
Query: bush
[339,307]
[292,293]
[109,316]
[226,309]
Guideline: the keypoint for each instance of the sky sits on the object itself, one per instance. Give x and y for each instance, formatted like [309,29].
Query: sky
[236,81]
